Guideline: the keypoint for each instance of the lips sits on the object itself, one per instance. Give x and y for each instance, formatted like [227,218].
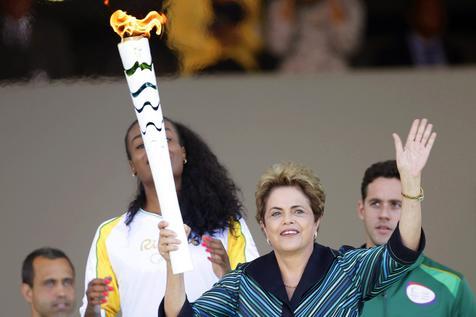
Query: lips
[289,232]
[383,229]
[61,306]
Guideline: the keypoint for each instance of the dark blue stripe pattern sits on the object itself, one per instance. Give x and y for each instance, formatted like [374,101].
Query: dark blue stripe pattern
[144,86]
[353,276]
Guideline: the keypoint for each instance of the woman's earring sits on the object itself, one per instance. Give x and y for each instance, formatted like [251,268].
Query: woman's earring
[315,236]
[185,161]
[269,242]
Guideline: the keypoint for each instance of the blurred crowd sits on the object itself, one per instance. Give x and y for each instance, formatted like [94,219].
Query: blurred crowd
[71,39]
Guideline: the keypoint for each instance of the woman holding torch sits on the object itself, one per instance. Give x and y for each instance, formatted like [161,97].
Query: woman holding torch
[124,271]
[300,277]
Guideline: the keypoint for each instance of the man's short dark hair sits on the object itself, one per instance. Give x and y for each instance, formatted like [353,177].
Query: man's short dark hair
[27,272]
[386,169]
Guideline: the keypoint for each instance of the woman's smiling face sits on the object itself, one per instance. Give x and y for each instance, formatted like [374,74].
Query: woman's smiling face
[289,222]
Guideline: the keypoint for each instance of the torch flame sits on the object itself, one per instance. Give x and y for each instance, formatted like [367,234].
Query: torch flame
[126,25]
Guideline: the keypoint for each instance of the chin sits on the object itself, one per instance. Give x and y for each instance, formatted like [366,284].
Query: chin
[381,241]
[293,246]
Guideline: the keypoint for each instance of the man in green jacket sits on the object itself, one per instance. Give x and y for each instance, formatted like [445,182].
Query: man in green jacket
[431,289]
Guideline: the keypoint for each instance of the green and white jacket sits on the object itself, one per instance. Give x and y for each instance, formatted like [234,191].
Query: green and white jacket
[430,290]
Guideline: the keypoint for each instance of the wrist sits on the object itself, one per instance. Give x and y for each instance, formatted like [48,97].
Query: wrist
[419,197]
[410,185]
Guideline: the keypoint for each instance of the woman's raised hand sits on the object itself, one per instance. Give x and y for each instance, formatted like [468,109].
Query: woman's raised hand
[168,240]
[218,256]
[412,158]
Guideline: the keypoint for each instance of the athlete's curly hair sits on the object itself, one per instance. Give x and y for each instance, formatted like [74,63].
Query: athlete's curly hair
[208,197]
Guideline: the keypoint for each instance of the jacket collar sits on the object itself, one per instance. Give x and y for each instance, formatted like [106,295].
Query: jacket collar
[265,271]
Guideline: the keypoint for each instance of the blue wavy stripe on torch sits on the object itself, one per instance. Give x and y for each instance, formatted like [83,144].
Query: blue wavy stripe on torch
[150,124]
[144,86]
[147,103]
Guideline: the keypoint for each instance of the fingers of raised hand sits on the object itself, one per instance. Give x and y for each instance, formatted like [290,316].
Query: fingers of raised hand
[212,243]
[398,144]
[427,135]
[431,141]
[420,135]
[217,259]
[166,233]
[413,131]
[218,254]
[170,242]
[98,291]
[421,130]
[214,246]
[163,224]
[167,242]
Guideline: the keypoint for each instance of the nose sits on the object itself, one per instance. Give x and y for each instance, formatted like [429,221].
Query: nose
[61,290]
[384,212]
[288,218]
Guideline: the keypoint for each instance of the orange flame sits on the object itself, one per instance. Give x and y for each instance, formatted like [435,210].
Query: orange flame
[106,2]
[126,25]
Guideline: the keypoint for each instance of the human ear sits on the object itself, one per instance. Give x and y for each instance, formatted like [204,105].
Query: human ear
[184,154]
[26,291]
[133,168]
[263,228]
[360,209]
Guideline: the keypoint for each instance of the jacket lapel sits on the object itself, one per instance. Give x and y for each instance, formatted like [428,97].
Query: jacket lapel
[265,271]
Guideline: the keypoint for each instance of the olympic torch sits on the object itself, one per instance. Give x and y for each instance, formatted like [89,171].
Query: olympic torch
[140,75]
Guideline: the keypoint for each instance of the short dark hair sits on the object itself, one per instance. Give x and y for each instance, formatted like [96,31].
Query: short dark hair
[27,271]
[386,169]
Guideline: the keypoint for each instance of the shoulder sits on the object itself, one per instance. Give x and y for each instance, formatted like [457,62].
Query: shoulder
[107,226]
[240,268]
[347,251]
[234,277]
[344,249]
[112,221]
[430,263]
[349,257]
[443,274]
[260,263]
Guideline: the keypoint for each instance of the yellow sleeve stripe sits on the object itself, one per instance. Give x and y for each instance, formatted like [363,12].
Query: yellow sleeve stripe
[448,279]
[104,268]
[236,244]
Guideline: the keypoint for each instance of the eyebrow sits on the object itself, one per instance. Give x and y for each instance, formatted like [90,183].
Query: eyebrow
[50,279]
[136,137]
[390,200]
[292,207]
[375,199]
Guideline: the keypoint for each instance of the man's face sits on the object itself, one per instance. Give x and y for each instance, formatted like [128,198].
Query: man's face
[380,212]
[52,293]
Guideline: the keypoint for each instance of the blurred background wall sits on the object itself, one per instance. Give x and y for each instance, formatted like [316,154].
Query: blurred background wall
[51,39]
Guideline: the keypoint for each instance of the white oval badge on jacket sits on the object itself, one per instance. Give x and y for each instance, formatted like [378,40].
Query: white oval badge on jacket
[420,294]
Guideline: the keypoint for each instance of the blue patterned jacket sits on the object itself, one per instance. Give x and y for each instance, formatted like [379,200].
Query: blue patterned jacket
[334,283]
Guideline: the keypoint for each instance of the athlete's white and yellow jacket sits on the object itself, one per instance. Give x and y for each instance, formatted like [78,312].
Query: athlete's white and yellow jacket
[129,254]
